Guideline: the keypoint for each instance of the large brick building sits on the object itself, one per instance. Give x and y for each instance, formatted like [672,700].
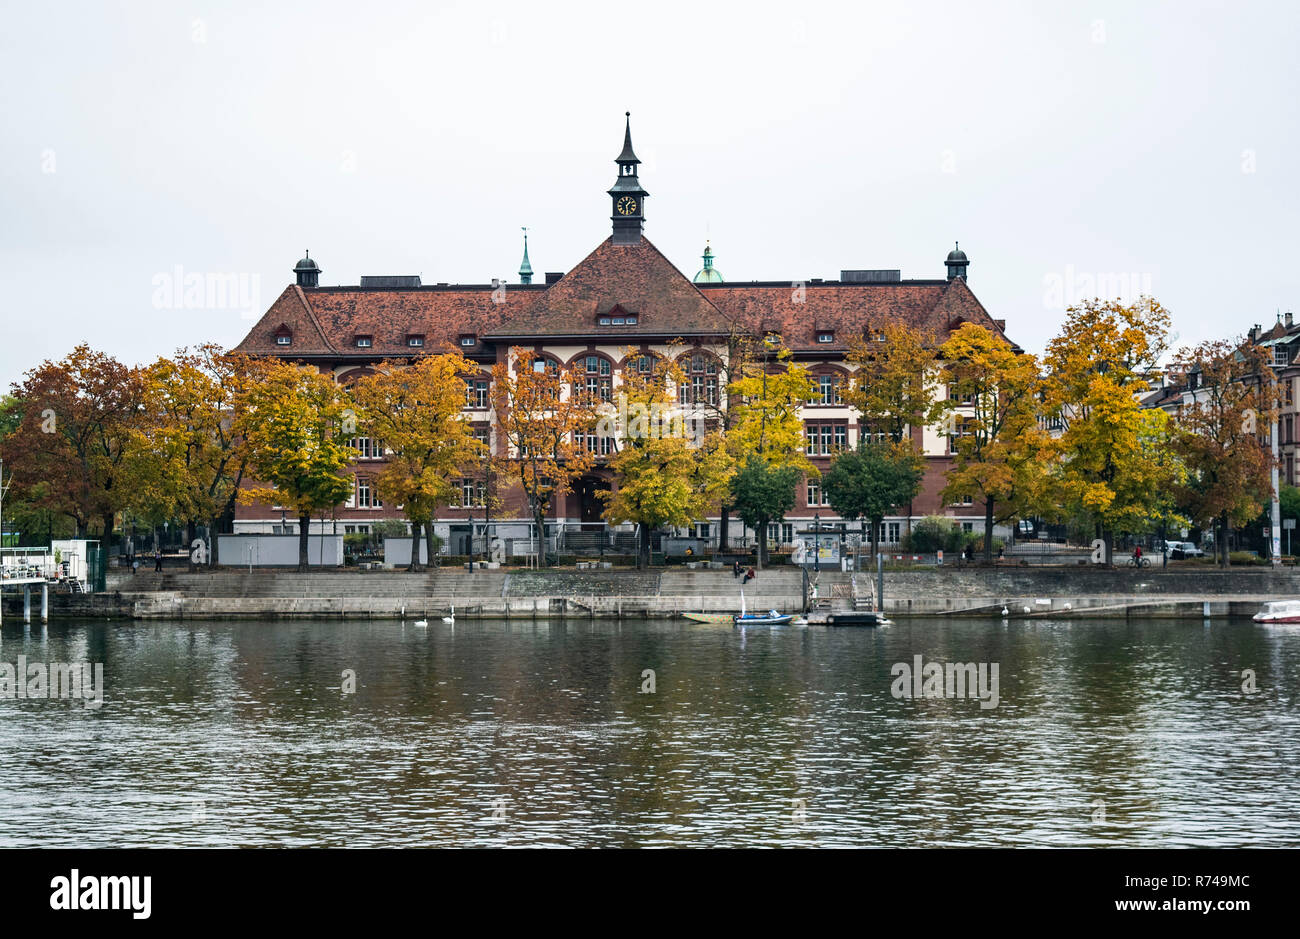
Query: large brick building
[624,295]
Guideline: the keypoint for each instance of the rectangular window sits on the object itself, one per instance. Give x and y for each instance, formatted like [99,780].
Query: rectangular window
[825,337]
[618,321]
[841,436]
[892,532]
[282,340]
[416,342]
[815,494]
[364,496]
[464,341]
[967,526]
[363,342]
[472,494]
[631,321]
[827,431]
[604,321]
[367,449]
[476,393]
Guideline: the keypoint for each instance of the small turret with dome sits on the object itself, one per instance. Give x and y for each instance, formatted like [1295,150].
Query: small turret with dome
[708,273]
[307,272]
[957,262]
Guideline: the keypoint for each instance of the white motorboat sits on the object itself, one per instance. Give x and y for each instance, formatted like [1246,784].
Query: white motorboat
[1279,611]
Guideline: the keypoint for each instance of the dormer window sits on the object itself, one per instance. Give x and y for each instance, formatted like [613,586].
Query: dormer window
[364,342]
[617,317]
[467,341]
[826,335]
[415,341]
[283,336]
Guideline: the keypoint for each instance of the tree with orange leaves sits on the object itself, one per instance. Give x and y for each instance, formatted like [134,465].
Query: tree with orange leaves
[76,432]
[1220,434]
[543,419]
[416,409]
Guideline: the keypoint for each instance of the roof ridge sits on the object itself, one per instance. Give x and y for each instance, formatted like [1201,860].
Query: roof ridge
[311,314]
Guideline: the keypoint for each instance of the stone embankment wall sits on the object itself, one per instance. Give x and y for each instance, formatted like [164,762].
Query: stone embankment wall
[668,593]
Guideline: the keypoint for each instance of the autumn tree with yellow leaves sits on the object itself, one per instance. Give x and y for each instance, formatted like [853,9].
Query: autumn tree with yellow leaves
[544,424]
[992,417]
[416,410]
[669,470]
[1106,466]
[296,422]
[188,461]
[768,436]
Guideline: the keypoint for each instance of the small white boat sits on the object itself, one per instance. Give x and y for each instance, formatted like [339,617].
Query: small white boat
[770,618]
[1279,611]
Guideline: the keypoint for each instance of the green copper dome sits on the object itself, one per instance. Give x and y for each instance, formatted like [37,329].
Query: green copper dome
[708,273]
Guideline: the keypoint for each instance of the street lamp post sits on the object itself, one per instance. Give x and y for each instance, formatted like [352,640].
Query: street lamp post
[471,542]
[817,550]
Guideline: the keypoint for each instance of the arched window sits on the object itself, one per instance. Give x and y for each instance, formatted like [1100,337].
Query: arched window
[828,388]
[593,374]
[699,383]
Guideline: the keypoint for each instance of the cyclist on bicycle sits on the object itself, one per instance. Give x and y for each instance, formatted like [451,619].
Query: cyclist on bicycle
[1137,554]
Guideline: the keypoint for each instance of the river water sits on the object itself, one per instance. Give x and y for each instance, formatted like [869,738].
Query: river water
[524,734]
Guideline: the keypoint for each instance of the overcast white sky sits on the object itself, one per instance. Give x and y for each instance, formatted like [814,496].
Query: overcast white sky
[1058,142]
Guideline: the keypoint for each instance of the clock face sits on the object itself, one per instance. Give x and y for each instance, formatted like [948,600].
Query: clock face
[626,206]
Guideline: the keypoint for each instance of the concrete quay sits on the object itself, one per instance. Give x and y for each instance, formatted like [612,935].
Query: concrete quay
[663,593]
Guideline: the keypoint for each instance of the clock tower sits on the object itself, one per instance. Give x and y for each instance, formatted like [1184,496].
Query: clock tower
[627,195]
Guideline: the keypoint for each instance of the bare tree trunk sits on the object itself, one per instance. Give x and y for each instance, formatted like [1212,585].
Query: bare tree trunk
[107,519]
[304,526]
[724,519]
[1224,561]
[643,547]
[761,535]
[988,531]
[416,529]
[428,540]
[541,537]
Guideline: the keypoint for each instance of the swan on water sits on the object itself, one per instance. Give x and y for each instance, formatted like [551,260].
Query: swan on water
[451,620]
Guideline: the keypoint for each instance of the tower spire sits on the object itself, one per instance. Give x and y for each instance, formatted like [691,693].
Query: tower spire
[525,269]
[627,195]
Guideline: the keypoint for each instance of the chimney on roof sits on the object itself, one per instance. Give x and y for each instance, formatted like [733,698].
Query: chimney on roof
[1253,334]
[1288,319]
[871,277]
[553,277]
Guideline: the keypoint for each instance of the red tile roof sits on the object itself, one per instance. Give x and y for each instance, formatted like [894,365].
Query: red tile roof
[637,278]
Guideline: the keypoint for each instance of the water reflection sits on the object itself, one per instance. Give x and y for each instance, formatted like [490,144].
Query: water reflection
[1107,733]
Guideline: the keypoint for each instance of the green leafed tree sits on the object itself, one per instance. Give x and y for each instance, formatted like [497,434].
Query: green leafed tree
[762,493]
[872,481]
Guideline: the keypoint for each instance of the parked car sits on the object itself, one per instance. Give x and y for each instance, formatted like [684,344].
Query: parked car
[1178,550]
